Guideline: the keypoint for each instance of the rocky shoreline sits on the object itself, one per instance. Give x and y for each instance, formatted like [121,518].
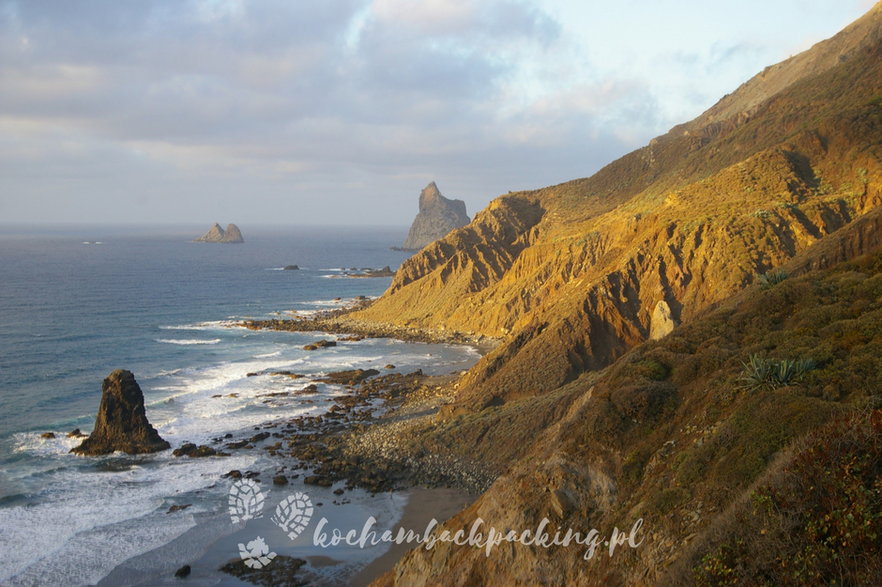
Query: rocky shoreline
[338,322]
[361,439]
[364,437]
[368,438]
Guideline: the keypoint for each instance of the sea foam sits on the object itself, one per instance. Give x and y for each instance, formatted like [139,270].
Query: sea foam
[188,341]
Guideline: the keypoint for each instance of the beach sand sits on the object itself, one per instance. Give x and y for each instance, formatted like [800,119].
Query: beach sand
[422,505]
[213,540]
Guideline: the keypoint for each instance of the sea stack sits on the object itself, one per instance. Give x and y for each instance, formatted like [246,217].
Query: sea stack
[122,423]
[232,235]
[437,217]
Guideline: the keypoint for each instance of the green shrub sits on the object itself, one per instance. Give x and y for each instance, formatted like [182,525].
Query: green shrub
[771,279]
[651,369]
[759,372]
[815,522]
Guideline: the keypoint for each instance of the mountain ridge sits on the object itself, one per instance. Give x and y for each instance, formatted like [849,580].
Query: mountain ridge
[571,274]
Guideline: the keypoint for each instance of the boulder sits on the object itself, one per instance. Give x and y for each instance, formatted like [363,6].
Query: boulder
[191,450]
[663,322]
[121,424]
[319,344]
[318,480]
[349,377]
[183,572]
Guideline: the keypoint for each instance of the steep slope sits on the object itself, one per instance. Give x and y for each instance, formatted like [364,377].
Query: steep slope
[571,276]
[737,480]
[825,55]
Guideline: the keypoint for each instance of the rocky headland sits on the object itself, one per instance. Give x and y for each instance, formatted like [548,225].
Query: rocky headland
[437,216]
[365,272]
[216,234]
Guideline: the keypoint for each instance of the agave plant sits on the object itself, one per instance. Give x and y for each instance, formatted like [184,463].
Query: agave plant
[756,371]
[771,279]
[759,372]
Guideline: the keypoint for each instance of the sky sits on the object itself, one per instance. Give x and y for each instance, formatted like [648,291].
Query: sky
[339,112]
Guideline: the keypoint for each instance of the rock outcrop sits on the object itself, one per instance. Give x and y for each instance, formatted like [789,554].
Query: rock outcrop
[662,322]
[436,218]
[121,424]
[232,235]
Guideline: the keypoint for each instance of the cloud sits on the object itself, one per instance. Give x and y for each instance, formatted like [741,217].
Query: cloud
[316,109]
[272,92]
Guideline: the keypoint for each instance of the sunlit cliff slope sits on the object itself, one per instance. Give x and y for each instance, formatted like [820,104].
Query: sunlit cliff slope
[572,275]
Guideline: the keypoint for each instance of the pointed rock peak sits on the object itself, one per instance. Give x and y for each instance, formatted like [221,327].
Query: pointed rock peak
[429,194]
[121,424]
[437,217]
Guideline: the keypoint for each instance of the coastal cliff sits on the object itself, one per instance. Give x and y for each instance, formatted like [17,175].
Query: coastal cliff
[216,234]
[572,275]
[436,218]
[683,336]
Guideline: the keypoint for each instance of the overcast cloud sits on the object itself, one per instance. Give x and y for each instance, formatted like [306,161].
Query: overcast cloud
[340,111]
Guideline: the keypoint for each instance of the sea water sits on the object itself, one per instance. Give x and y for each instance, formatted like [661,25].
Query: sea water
[77,303]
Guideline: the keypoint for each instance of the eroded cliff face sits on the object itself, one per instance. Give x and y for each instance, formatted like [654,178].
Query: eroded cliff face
[669,435]
[569,280]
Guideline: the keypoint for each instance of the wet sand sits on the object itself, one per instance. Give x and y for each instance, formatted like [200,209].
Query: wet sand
[422,505]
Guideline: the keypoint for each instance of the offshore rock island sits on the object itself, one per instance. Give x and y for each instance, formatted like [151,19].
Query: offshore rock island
[690,338]
[216,234]
[436,218]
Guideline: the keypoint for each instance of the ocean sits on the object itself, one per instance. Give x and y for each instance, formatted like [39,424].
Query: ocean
[79,302]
